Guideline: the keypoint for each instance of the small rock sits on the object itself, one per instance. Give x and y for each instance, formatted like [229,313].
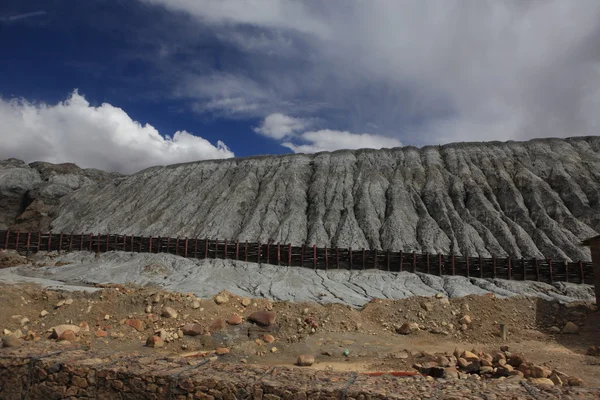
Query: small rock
[59,329]
[156,298]
[106,317]
[470,356]
[192,329]
[541,381]
[101,333]
[464,327]
[556,379]
[234,320]
[486,370]
[408,327]
[504,348]
[439,296]
[44,313]
[516,360]
[263,318]
[246,301]
[11,341]
[60,304]
[427,306]
[221,351]
[24,321]
[168,312]
[84,326]
[273,349]
[466,320]
[268,338]
[68,302]
[221,298]
[554,329]
[450,373]
[575,381]
[217,325]
[136,324]
[305,360]
[539,371]
[196,305]
[155,342]
[67,335]
[570,328]
[148,309]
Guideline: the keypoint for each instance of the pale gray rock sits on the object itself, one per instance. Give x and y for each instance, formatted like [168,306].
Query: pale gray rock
[524,199]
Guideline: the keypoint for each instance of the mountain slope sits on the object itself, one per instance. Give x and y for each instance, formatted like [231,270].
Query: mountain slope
[532,199]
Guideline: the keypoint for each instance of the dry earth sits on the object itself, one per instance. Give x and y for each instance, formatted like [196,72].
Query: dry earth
[340,338]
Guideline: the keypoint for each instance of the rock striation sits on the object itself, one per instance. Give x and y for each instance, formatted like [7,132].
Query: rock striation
[524,199]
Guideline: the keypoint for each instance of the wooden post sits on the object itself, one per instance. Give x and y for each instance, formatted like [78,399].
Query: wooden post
[225,249]
[566,271]
[150,244]
[453,265]
[39,240]
[326,259]
[278,253]
[116,242]
[17,241]
[375,259]
[401,260]
[237,250]
[389,255]
[550,268]
[107,240]
[364,258]
[168,245]
[216,247]
[186,247]
[427,260]
[289,254]
[302,256]
[581,272]
[246,252]
[177,246]
[133,248]
[509,268]
[503,332]
[205,247]
[60,238]
[124,242]
[494,267]
[440,264]
[259,252]
[140,245]
[268,251]
[350,257]
[97,243]
[50,241]
[29,243]
[467,262]
[196,247]
[524,269]
[537,269]
[6,240]
[91,238]
[337,258]
[414,262]
[480,267]
[314,256]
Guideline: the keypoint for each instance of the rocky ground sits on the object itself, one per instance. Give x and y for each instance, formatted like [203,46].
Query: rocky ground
[450,340]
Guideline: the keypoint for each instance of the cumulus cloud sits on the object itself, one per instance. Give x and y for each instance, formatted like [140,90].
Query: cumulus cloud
[103,137]
[290,131]
[424,71]
[330,140]
[279,126]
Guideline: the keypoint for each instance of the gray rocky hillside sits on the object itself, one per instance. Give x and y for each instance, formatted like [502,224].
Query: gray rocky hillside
[530,199]
[30,193]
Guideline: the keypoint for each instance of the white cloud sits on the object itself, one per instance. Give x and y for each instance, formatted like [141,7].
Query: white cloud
[103,137]
[279,126]
[330,140]
[423,70]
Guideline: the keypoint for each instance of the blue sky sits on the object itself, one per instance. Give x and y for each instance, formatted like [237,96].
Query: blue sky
[122,85]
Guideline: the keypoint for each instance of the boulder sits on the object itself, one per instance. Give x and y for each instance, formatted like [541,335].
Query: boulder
[263,318]
[305,360]
[168,312]
[235,320]
[570,328]
[192,329]
[59,329]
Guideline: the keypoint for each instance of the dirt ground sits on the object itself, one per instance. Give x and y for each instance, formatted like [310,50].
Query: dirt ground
[339,337]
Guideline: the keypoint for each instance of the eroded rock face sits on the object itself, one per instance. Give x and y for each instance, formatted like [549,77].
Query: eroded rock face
[29,193]
[523,199]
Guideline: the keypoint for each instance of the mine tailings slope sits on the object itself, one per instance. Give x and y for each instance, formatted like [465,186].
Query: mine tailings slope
[521,199]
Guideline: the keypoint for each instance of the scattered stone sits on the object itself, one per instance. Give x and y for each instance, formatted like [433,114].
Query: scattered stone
[427,306]
[570,328]
[44,313]
[84,326]
[541,381]
[137,324]
[262,318]
[470,356]
[486,370]
[11,341]
[464,327]
[407,328]
[516,360]
[575,381]
[168,312]
[504,348]
[556,379]
[155,342]
[268,338]
[554,329]
[273,349]
[465,320]
[217,325]
[68,302]
[24,321]
[196,305]
[101,333]
[148,309]
[221,351]
[67,335]
[539,371]
[192,329]
[58,330]
[234,320]
[221,298]
[305,360]
[246,301]
[60,304]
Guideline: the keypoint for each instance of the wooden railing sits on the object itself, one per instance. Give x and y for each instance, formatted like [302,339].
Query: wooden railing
[314,257]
